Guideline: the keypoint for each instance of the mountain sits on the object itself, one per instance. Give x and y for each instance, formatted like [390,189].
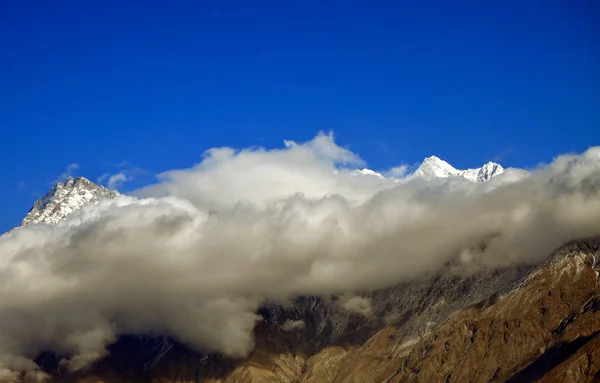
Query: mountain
[518,324]
[522,323]
[435,167]
[64,198]
[75,192]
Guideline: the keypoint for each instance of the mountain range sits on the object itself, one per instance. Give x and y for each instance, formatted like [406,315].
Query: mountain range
[70,195]
[435,167]
[537,322]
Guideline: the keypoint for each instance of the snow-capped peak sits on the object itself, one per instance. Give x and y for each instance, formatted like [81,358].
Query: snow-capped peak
[64,198]
[435,167]
[489,170]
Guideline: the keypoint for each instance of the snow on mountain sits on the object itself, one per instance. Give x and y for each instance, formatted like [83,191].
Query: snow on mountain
[489,170]
[65,198]
[368,172]
[435,167]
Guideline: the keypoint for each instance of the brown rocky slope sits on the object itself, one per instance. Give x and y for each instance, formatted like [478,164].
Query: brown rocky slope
[520,324]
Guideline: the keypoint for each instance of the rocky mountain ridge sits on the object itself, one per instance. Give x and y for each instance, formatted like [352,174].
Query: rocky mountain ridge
[64,198]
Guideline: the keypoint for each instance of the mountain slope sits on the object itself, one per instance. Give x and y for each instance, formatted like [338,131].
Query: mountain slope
[64,198]
[545,330]
[518,324]
[435,167]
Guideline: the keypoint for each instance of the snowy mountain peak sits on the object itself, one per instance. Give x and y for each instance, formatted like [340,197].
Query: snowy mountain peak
[64,198]
[435,167]
[488,171]
[433,159]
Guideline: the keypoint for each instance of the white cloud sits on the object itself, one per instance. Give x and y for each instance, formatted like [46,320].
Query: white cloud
[68,172]
[227,176]
[127,173]
[357,304]
[293,325]
[116,179]
[399,171]
[197,257]
[100,180]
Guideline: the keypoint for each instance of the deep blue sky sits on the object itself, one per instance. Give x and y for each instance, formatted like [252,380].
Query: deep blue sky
[157,83]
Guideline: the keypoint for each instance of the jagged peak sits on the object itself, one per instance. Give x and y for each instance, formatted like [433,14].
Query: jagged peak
[489,170]
[492,165]
[433,166]
[64,198]
[432,158]
[435,160]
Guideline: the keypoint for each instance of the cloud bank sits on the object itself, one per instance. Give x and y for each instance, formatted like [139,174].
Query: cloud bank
[196,254]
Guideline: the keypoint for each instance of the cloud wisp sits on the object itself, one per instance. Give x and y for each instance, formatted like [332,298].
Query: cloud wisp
[69,171]
[113,181]
[196,254]
[128,173]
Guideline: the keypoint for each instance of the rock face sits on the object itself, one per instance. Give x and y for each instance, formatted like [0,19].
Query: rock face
[64,198]
[544,330]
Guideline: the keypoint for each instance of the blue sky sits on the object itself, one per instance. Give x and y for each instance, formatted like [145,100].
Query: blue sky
[156,84]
